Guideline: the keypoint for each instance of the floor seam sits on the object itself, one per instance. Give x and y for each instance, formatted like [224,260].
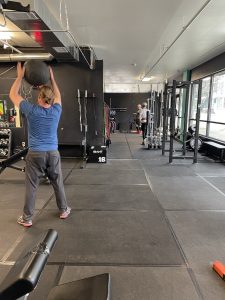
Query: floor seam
[183,255]
[210,184]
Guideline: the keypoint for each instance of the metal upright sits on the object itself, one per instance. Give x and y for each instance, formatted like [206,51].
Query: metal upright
[198,111]
[165,109]
[184,85]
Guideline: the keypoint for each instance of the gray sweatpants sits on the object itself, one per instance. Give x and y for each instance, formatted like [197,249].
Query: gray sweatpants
[37,164]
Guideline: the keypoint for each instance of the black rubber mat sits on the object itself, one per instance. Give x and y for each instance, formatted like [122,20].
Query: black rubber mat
[9,229]
[186,193]
[202,237]
[119,164]
[107,197]
[119,152]
[4,269]
[169,170]
[133,238]
[210,168]
[218,182]
[69,163]
[14,195]
[107,177]
[12,176]
[140,283]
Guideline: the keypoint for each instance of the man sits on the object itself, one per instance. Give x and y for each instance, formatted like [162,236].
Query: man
[144,115]
[43,156]
[138,121]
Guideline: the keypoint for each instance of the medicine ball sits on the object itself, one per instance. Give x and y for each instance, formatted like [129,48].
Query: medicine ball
[36,72]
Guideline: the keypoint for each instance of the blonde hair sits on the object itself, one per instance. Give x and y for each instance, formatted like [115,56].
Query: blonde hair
[46,94]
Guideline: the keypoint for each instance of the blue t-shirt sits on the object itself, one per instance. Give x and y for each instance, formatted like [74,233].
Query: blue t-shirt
[42,125]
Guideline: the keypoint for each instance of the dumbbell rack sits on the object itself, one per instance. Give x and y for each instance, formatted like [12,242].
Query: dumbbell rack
[5,143]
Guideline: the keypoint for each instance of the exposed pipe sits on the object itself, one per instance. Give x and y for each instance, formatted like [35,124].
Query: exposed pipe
[25,56]
[177,37]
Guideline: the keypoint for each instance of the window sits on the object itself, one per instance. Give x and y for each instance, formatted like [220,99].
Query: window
[217,111]
[194,100]
[205,98]
[217,131]
[202,128]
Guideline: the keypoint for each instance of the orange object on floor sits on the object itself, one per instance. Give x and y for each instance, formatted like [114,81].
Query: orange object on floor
[219,268]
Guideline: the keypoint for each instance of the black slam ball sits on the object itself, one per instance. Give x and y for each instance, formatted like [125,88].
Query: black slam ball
[36,72]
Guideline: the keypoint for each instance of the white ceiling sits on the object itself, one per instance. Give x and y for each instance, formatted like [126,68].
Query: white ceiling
[131,36]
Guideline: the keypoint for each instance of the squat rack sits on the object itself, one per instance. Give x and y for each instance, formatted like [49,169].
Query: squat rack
[170,100]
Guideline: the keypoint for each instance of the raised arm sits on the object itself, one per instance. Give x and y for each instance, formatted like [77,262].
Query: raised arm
[55,88]
[14,95]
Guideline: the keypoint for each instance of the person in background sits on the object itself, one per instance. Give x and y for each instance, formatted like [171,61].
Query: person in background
[138,120]
[43,156]
[144,120]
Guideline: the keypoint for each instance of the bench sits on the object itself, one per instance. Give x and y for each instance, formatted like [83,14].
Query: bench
[217,146]
[25,274]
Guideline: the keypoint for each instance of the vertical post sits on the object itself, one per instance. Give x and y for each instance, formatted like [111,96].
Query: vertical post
[209,106]
[186,99]
[197,121]
[164,118]
[172,120]
[85,125]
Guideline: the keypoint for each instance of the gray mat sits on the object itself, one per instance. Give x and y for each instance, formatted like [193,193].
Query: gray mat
[170,283]
[17,177]
[9,229]
[109,176]
[210,168]
[119,164]
[47,281]
[186,193]
[12,176]
[3,271]
[218,182]
[12,196]
[202,237]
[68,163]
[136,238]
[119,152]
[106,197]
[169,170]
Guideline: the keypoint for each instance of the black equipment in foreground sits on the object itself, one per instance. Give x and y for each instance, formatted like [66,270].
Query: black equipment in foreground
[95,287]
[9,162]
[24,275]
[36,72]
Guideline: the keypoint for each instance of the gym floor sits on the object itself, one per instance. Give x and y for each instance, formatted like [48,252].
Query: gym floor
[154,227]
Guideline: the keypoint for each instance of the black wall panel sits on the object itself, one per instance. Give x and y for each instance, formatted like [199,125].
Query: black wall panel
[125,100]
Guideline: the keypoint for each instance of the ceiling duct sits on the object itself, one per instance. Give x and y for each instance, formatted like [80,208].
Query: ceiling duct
[39,23]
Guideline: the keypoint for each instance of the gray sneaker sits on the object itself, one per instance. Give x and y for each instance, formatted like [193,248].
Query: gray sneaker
[66,213]
[23,222]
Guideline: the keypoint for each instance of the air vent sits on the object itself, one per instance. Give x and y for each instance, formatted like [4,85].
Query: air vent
[19,15]
[60,49]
